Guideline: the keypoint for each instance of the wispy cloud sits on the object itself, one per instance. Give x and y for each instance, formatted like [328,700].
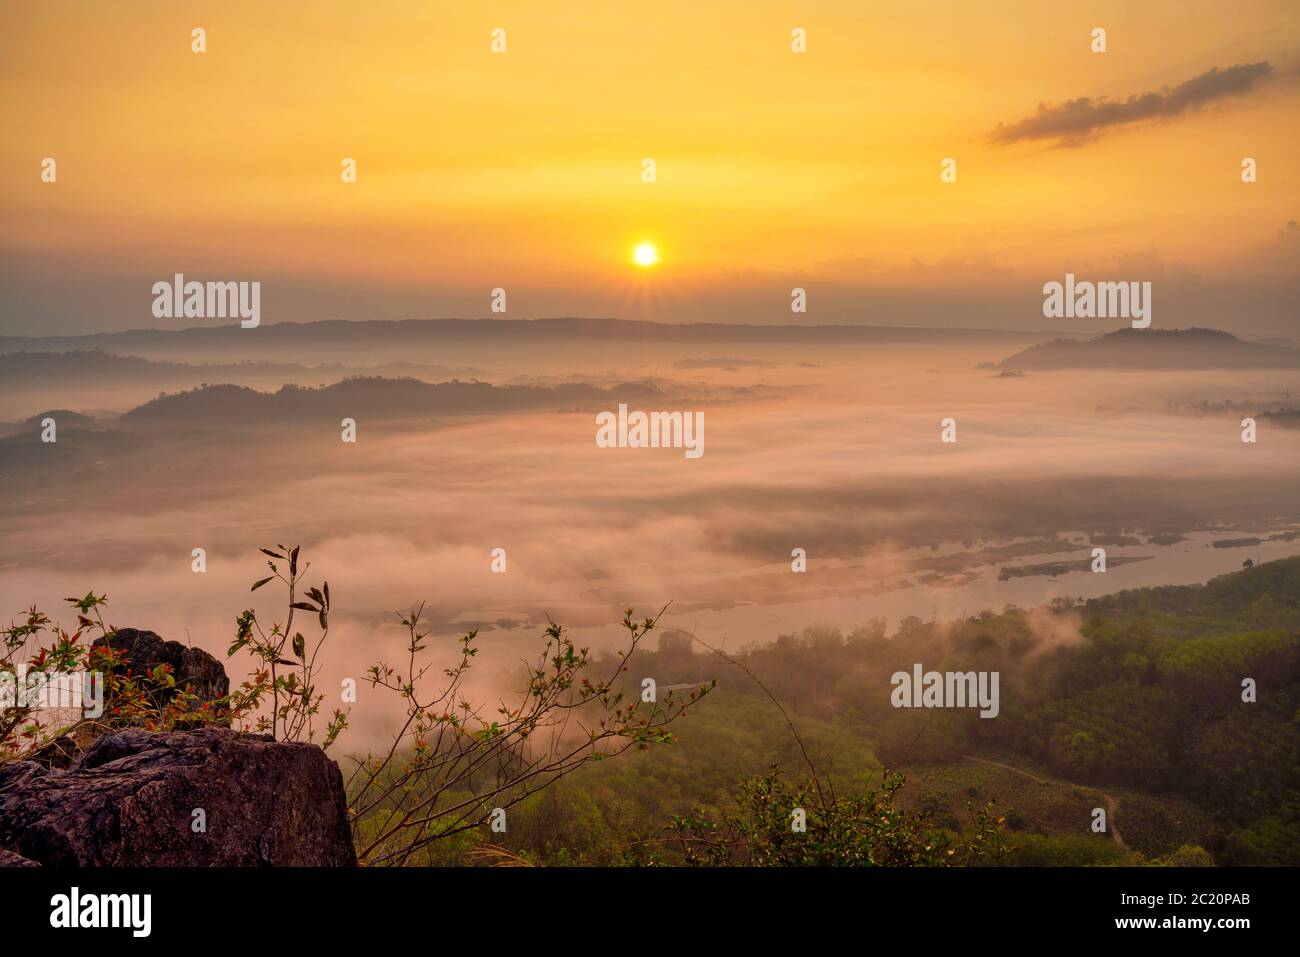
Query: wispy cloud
[1076,121]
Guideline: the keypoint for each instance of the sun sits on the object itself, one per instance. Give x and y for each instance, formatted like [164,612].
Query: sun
[645,255]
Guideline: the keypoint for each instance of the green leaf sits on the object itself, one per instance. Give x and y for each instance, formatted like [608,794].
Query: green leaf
[259,584]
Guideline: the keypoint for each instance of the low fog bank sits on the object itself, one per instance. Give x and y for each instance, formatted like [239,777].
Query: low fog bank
[832,452]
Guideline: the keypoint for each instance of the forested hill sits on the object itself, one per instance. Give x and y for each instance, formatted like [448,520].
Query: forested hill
[1155,349]
[1136,698]
[1231,597]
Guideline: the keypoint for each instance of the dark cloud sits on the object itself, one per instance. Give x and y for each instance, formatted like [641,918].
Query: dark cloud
[1075,121]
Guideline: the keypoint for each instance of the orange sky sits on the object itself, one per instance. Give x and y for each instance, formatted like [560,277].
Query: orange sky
[522,169]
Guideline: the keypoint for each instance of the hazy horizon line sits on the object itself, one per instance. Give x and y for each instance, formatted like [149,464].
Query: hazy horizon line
[764,327]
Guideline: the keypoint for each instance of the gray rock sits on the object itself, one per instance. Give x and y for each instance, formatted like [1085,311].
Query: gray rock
[145,650]
[141,653]
[130,801]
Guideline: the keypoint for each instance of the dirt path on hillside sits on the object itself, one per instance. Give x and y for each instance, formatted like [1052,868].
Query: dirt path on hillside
[1112,803]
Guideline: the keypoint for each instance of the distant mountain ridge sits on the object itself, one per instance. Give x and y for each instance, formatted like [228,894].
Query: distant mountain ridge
[1171,349]
[25,368]
[239,409]
[376,331]
[372,396]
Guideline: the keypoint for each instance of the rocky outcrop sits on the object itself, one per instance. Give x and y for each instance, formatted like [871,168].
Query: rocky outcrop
[143,651]
[140,652]
[209,797]
[206,797]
